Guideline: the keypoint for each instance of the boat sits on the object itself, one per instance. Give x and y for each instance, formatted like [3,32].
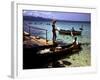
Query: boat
[33,58]
[81,28]
[69,32]
[61,52]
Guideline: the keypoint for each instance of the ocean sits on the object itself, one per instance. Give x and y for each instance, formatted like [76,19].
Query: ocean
[83,58]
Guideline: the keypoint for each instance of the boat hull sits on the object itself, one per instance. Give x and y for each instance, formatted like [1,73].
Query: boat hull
[69,32]
[32,60]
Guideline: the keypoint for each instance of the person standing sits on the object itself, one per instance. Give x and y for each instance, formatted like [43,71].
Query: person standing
[75,41]
[54,31]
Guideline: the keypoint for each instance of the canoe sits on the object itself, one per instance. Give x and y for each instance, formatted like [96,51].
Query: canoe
[69,32]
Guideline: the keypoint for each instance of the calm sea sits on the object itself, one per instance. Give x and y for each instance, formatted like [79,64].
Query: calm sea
[84,38]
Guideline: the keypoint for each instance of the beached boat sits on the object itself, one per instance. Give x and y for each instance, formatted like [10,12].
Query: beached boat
[69,32]
[38,57]
[61,51]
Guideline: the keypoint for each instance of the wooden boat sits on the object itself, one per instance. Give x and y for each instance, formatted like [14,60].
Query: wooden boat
[32,58]
[69,32]
[64,51]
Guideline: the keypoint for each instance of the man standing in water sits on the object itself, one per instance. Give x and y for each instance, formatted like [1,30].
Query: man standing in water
[54,31]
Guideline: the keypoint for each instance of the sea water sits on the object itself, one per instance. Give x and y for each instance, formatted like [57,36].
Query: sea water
[83,58]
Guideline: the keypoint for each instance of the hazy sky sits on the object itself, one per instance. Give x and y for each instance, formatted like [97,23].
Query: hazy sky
[71,16]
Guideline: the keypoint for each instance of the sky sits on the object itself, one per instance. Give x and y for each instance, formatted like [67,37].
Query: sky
[69,16]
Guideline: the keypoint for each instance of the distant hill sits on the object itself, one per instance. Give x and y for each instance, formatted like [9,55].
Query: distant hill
[32,18]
